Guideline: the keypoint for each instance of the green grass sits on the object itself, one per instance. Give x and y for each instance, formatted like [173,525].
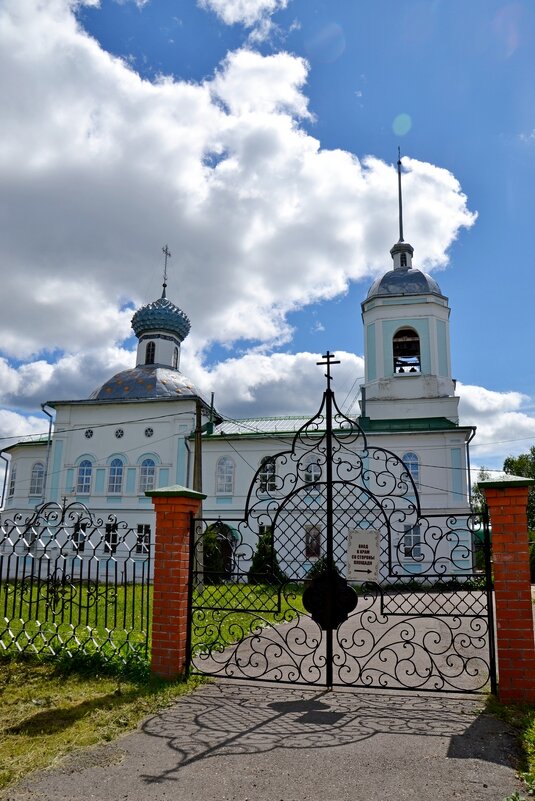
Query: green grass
[85,617]
[522,719]
[224,613]
[116,620]
[46,713]
[86,694]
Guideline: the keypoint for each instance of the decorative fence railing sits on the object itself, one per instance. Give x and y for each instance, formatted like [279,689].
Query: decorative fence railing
[72,582]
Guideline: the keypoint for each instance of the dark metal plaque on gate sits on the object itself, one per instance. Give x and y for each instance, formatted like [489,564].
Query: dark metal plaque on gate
[329,600]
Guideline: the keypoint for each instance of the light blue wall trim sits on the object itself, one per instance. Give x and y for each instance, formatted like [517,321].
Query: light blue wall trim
[69,480]
[164,477]
[111,499]
[99,480]
[412,568]
[421,326]
[223,499]
[402,301]
[442,347]
[91,456]
[181,459]
[456,473]
[131,480]
[371,357]
[149,455]
[120,456]
[57,462]
[144,501]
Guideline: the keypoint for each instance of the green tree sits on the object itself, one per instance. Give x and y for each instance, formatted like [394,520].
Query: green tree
[524,465]
[217,553]
[478,499]
[265,567]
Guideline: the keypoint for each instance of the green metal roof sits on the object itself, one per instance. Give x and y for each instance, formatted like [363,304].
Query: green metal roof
[32,439]
[407,424]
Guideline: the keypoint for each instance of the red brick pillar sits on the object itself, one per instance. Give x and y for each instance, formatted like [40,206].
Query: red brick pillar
[174,508]
[507,501]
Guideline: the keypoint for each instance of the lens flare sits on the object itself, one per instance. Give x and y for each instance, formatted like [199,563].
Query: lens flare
[402,124]
[326,45]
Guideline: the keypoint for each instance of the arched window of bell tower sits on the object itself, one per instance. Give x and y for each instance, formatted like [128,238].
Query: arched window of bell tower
[175,359]
[149,353]
[406,351]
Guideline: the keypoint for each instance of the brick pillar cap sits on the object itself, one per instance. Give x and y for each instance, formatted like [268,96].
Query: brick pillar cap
[506,481]
[175,491]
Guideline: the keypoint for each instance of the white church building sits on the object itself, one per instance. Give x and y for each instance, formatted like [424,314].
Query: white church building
[136,432]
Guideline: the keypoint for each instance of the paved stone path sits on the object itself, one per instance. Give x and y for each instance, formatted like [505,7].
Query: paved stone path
[254,742]
[411,641]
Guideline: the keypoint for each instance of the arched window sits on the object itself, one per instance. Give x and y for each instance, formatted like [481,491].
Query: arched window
[175,359]
[149,353]
[115,477]
[37,479]
[147,475]
[312,472]
[12,481]
[412,465]
[266,477]
[224,476]
[403,260]
[83,482]
[406,350]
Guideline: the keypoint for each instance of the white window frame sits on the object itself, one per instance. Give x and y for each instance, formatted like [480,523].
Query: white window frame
[12,481]
[224,476]
[411,543]
[37,479]
[267,477]
[84,477]
[147,475]
[312,473]
[411,462]
[115,477]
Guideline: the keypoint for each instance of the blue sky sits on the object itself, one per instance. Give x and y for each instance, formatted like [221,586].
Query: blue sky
[461,72]
[330,87]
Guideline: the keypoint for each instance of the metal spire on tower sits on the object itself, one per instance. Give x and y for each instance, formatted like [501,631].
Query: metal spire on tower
[400,201]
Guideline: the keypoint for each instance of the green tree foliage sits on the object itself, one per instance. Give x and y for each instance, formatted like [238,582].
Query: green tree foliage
[478,499]
[524,465]
[215,554]
[265,567]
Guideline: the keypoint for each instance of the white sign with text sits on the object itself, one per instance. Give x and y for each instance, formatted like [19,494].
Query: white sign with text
[363,554]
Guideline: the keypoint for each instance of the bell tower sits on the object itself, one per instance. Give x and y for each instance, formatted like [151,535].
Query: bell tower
[407,342]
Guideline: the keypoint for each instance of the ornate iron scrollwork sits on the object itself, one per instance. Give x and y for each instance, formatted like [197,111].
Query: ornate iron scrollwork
[425,624]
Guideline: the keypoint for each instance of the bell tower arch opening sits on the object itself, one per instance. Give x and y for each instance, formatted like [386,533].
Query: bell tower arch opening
[406,351]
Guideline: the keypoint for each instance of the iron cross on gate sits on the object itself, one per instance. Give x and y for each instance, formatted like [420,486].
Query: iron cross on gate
[330,359]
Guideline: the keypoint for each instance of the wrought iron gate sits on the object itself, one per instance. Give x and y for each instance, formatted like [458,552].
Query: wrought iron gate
[72,582]
[335,577]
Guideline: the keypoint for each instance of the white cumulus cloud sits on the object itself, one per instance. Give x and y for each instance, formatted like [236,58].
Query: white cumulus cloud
[99,167]
[246,12]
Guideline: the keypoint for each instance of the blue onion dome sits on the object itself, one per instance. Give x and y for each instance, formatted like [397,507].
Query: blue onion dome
[404,282]
[161,315]
[146,381]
